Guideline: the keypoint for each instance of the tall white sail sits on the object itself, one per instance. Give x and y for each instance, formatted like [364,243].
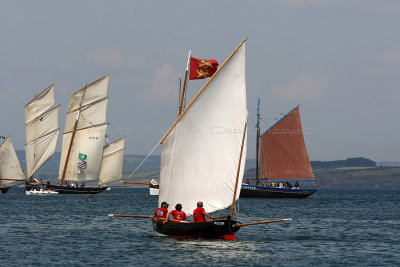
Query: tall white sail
[10,168]
[84,134]
[41,130]
[200,155]
[111,166]
[87,146]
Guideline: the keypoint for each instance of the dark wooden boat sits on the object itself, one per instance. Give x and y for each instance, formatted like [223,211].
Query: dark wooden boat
[212,229]
[257,191]
[281,158]
[66,190]
[4,190]
[76,190]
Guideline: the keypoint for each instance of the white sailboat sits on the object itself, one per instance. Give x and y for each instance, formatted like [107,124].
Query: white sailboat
[41,125]
[10,168]
[83,141]
[203,154]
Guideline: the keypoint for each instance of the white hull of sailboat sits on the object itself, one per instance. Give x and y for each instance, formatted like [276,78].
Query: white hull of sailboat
[41,192]
[154,191]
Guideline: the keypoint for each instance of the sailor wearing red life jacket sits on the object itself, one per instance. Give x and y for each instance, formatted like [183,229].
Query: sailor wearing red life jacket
[178,214]
[161,213]
[199,214]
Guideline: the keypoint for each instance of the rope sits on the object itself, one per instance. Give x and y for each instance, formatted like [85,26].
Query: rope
[142,162]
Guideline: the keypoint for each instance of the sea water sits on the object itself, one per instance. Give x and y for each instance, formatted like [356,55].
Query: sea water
[330,228]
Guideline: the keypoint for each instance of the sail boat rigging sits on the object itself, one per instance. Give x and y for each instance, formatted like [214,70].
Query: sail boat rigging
[83,154]
[283,159]
[203,154]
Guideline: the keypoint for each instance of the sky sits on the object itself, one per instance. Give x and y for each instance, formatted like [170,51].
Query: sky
[338,59]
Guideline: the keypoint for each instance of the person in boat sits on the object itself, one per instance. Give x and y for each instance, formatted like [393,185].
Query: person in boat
[161,213]
[177,214]
[83,185]
[199,214]
[296,185]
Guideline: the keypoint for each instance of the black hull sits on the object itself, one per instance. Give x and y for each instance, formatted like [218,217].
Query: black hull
[64,190]
[252,191]
[216,229]
[3,190]
[76,190]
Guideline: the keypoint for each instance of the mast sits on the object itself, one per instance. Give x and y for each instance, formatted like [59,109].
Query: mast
[180,89]
[258,144]
[73,136]
[184,83]
[238,170]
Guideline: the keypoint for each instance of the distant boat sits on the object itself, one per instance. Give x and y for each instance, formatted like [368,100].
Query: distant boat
[41,125]
[283,161]
[83,156]
[10,168]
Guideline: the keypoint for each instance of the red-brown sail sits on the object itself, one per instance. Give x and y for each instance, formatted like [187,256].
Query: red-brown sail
[283,151]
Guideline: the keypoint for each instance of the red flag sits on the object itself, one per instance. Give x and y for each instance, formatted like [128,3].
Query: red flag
[202,68]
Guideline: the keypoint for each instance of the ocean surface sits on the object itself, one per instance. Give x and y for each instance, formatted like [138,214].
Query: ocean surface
[330,228]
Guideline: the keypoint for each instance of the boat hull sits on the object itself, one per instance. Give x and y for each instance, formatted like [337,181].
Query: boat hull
[4,190]
[256,191]
[216,229]
[64,190]
[154,189]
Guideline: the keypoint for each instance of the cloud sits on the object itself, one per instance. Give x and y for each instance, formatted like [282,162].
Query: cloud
[109,57]
[163,84]
[390,57]
[383,7]
[305,87]
[8,94]
[384,62]
[136,62]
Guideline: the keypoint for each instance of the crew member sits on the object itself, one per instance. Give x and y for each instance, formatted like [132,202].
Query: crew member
[199,214]
[177,213]
[161,213]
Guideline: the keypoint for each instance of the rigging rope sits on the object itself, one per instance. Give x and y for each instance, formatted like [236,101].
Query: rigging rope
[142,161]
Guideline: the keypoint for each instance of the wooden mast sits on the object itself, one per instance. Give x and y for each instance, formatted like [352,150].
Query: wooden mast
[72,137]
[184,84]
[238,170]
[180,90]
[258,144]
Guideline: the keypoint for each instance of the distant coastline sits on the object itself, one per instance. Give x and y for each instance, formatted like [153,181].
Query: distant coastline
[352,173]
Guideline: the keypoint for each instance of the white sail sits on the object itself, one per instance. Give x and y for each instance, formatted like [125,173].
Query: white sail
[39,104]
[92,92]
[200,155]
[10,168]
[39,151]
[84,134]
[113,157]
[90,115]
[41,130]
[89,144]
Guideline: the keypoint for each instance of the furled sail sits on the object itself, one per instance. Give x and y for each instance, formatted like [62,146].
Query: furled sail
[10,168]
[111,166]
[84,134]
[283,151]
[41,130]
[200,154]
